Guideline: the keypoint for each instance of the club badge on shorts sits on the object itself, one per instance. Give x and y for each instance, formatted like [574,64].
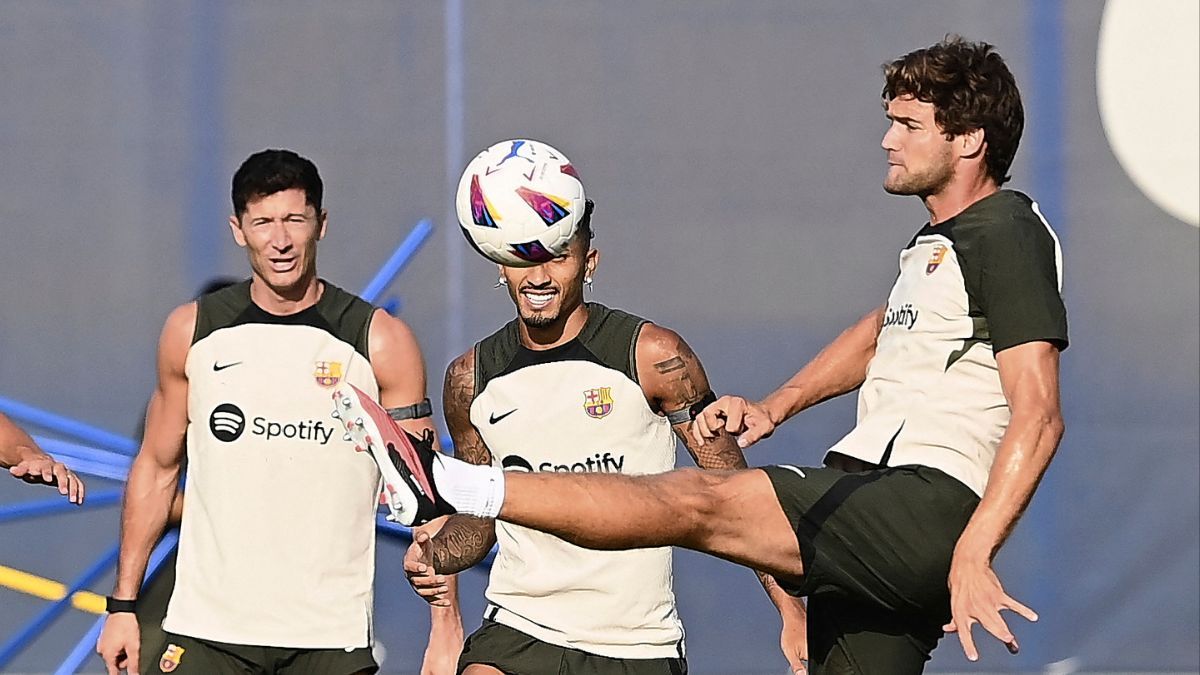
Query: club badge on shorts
[328,373]
[939,254]
[171,658]
[598,402]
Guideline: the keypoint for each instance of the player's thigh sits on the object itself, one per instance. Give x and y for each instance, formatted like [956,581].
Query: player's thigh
[846,637]
[184,655]
[509,651]
[746,523]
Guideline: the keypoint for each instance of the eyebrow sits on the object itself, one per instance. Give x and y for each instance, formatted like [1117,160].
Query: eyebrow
[293,214]
[907,121]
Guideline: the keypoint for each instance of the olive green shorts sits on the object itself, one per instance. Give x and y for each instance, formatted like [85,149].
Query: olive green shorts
[516,653]
[876,548]
[191,656]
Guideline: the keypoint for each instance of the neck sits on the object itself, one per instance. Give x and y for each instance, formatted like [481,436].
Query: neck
[284,301]
[562,331]
[956,196]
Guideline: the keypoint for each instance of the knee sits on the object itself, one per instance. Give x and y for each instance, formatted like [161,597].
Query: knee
[699,498]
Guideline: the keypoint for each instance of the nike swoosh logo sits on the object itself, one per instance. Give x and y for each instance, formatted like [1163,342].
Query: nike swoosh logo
[493,418]
[793,469]
[218,367]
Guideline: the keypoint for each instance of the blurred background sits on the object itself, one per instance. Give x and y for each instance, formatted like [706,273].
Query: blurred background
[732,149]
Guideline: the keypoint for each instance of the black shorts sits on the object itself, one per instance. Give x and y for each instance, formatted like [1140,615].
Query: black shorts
[516,653]
[185,655]
[876,548]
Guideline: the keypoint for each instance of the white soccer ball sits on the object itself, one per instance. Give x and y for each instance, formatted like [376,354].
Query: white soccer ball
[518,202]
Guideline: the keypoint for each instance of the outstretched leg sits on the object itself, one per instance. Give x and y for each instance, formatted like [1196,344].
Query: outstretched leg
[733,515]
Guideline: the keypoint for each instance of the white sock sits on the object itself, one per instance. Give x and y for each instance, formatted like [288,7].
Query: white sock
[470,488]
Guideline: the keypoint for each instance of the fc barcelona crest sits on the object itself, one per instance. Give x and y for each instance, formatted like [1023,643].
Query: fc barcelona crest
[939,254]
[598,402]
[171,658]
[328,373]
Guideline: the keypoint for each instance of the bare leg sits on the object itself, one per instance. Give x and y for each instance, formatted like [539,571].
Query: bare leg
[729,514]
[481,669]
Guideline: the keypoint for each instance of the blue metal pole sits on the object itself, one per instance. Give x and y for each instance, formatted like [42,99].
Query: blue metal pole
[87,644]
[78,451]
[454,21]
[207,107]
[1046,41]
[98,469]
[49,507]
[88,461]
[67,426]
[29,633]
[399,260]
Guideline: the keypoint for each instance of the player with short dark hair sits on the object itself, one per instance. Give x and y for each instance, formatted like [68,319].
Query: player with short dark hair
[275,569]
[959,414]
[570,386]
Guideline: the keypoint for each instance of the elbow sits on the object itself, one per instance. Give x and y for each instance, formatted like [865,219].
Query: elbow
[1052,427]
[1058,427]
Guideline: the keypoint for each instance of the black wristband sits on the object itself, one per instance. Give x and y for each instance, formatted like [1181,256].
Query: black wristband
[693,411]
[115,606]
[411,412]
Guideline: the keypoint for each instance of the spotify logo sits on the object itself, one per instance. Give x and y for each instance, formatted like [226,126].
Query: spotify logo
[227,422]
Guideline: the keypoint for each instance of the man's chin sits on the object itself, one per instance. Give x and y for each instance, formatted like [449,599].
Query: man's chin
[284,284]
[901,189]
[538,320]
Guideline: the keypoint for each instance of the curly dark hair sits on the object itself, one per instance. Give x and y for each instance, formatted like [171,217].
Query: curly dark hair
[269,171]
[970,88]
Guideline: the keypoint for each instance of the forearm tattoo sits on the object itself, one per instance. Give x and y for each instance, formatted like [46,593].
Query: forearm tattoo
[684,386]
[457,394]
[462,542]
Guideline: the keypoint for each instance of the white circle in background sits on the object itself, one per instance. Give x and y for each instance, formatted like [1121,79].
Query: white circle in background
[1148,86]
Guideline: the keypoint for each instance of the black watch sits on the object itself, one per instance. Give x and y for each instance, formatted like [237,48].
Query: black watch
[114,606]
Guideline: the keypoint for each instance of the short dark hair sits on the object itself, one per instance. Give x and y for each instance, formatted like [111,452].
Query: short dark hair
[269,171]
[970,88]
[583,228]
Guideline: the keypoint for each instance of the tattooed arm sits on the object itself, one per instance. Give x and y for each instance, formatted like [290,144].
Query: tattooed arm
[675,385]
[462,540]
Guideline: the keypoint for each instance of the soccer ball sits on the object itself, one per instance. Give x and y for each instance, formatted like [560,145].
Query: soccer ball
[518,203]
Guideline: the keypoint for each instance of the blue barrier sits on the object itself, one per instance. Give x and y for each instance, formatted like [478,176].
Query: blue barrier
[59,504]
[66,426]
[87,460]
[18,642]
[60,448]
[399,260]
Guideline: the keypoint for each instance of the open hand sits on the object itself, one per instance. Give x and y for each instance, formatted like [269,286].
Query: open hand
[45,470]
[976,597]
[424,579]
